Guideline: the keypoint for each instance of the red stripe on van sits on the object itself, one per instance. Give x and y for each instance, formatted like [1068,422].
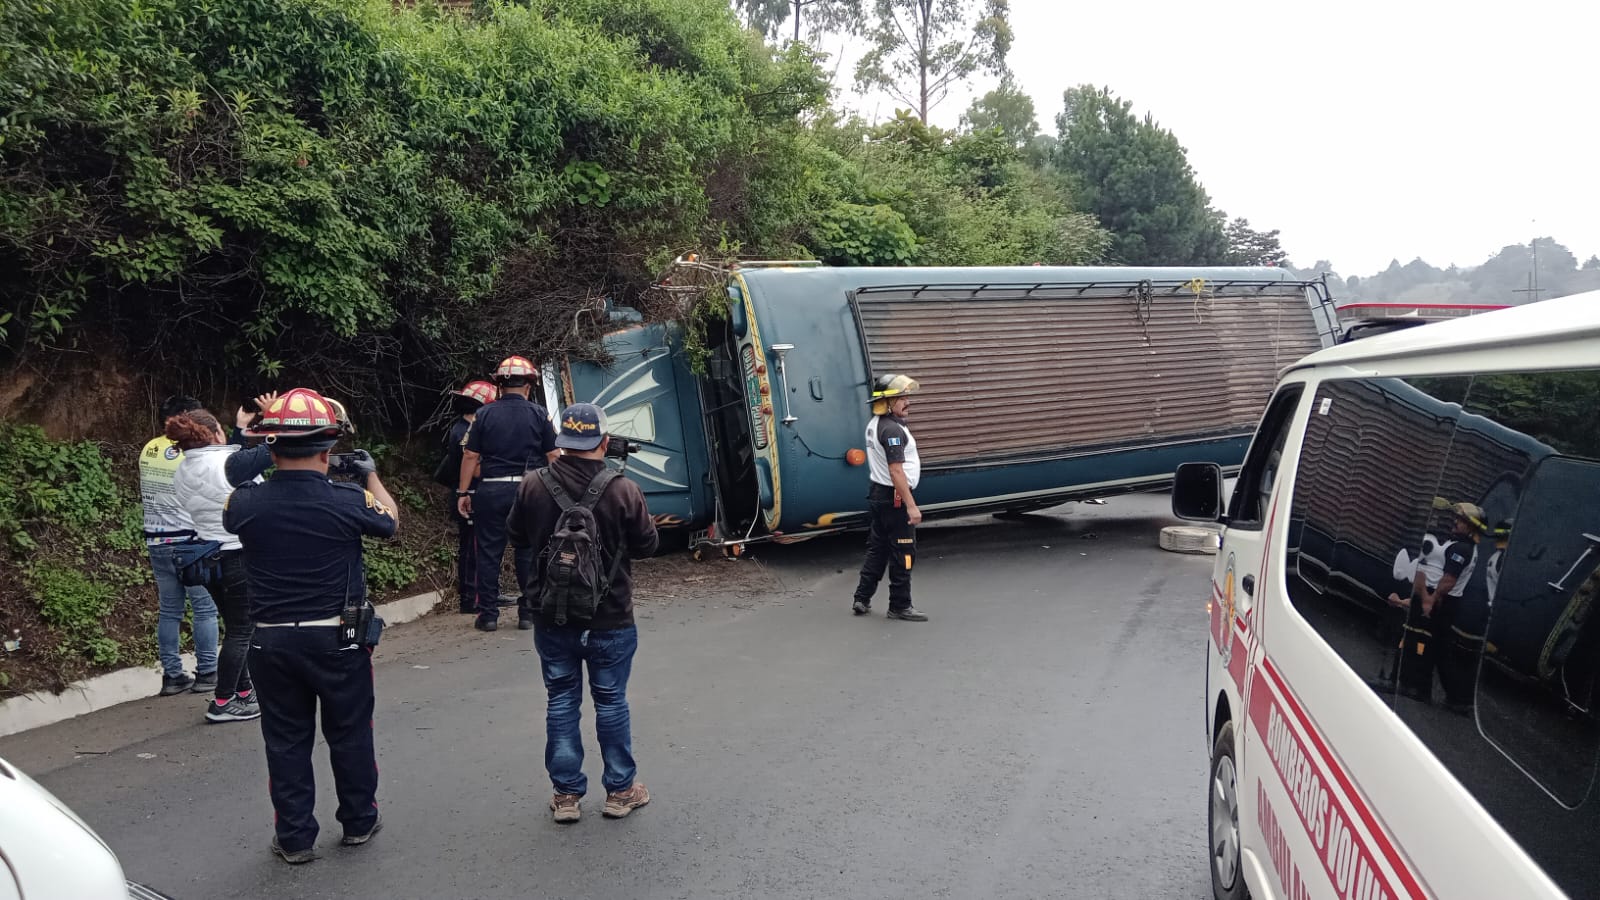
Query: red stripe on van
[1357,800]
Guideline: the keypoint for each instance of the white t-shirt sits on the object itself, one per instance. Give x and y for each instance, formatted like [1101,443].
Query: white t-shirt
[1439,557]
[889,441]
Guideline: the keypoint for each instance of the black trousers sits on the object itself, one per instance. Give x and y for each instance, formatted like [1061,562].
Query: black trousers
[891,546]
[491,506]
[466,560]
[1427,646]
[298,669]
[233,605]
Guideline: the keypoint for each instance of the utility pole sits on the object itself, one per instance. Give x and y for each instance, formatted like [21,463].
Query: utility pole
[1532,290]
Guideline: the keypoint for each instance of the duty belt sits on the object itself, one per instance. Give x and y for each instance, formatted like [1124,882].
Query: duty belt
[315,623]
[505,478]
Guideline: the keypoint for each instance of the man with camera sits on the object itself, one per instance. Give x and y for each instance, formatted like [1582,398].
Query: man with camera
[301,535]
[508,439]
[585,523]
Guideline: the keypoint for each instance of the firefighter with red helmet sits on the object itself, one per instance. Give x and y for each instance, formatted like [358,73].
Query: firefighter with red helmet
[301,534]
[508,438]
[466,403]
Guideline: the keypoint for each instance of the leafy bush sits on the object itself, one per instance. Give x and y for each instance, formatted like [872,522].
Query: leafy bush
[331,190]
[389,566]
[67,483]
[854,235]
[61,510]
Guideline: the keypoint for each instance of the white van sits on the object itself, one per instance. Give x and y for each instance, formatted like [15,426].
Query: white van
[1401,685]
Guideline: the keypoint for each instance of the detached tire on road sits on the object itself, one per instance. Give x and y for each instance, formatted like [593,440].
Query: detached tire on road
[1189,539]
[1222,820]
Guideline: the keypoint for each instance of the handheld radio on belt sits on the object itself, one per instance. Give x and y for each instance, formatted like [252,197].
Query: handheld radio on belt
[359,622]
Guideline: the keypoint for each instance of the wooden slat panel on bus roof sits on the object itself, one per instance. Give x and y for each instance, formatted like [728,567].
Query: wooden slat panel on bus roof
[1083,371]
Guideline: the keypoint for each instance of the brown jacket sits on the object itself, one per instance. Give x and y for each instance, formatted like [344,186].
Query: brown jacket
[625,526]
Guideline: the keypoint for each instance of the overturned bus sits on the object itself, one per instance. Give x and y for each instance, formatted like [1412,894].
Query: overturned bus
[1039,385]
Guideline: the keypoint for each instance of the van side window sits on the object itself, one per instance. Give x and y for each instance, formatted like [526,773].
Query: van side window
[1535,698]
[1444,540]
[1251,492]
[1370,464]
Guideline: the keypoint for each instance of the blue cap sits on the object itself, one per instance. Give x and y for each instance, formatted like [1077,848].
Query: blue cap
[582,426]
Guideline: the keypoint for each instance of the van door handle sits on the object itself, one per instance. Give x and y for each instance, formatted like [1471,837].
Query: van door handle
[1249,585]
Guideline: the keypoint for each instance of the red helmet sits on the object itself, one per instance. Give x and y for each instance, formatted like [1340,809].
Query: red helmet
[301,413]
[481,391]
[514,367]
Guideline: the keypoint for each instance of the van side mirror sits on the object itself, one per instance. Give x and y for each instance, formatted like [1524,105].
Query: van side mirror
[1197,492]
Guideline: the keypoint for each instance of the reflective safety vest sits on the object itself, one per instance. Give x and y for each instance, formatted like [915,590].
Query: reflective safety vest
[165,519]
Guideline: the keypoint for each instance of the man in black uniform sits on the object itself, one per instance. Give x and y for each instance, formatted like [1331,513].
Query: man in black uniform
[466,403]
[509,438]
[302,557]
[895,470]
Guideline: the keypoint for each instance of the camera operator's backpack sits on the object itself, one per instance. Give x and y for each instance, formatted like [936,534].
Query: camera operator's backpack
[574,578]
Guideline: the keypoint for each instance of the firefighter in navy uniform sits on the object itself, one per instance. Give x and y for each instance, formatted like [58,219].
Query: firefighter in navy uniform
[509,438]
[466,403]
[895,470]
[303,563]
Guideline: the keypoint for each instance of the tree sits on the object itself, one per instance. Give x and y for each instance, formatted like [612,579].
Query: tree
[921,47]
[968,199]
[814,17]
[1248,247]
[1591,264]
[1136,179]
[1006,109]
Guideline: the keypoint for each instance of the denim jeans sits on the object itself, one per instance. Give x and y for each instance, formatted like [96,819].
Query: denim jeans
[171,595]
[563,651]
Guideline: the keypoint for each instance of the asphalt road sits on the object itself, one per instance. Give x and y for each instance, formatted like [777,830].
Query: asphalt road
[1040,737]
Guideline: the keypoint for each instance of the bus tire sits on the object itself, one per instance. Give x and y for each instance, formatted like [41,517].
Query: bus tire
[1222,820]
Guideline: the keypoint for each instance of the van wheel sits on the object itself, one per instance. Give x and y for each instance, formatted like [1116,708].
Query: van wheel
[1222,820]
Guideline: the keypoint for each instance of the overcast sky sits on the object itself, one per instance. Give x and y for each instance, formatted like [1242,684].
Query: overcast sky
[1366,131]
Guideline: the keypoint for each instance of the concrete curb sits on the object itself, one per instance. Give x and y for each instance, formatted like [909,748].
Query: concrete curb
[42,708]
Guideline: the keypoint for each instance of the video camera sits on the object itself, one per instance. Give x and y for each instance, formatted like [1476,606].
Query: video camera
[619,448]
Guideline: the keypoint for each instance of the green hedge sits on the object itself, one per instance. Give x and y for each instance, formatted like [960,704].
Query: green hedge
[317,188]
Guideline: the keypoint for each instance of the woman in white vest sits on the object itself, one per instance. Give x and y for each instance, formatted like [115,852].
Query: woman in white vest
[203,489]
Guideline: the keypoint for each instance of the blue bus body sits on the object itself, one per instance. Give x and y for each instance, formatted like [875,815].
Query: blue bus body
[1039,385]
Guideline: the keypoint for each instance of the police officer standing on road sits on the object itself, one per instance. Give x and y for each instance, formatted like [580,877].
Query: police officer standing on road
[509,437]
[303,560]
[466,403]
[895,470]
